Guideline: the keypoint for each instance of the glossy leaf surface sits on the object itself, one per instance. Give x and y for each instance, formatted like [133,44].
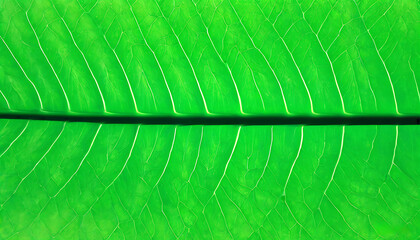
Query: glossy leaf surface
[210,57]
[93,181]
[89,60]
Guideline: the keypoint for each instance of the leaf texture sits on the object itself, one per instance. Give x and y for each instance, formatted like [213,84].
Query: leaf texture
[82,60]
[210,57]
[99,181]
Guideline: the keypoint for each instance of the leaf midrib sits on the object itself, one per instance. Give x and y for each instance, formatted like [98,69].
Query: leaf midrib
[223,119]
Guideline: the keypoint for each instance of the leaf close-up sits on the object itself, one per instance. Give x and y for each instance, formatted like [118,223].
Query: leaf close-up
[199,119]
[93,181]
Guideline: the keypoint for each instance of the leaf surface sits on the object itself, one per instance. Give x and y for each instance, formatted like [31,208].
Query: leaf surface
[94,181]
[226,62]
[203,57]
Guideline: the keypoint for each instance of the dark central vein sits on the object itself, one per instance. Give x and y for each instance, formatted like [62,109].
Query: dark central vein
[224,120]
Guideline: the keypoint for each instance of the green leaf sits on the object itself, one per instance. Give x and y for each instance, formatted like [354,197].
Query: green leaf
[200,57]
[97,61]
[94,181]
